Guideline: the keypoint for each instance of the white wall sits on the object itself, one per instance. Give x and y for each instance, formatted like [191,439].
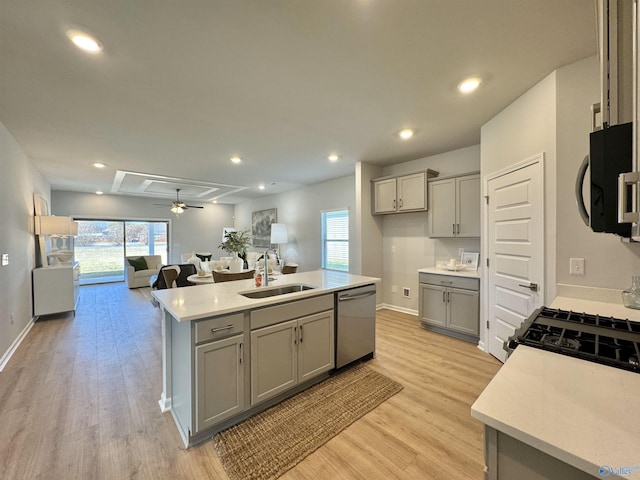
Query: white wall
[197,230]
[18,183]
[300,210]
[367,244]
[524,129]
[609,263]
[408,232]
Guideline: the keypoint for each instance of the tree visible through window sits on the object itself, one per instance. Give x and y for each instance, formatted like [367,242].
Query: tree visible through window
[335,240]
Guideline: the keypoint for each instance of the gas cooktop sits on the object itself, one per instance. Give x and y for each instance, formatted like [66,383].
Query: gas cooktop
[607,340]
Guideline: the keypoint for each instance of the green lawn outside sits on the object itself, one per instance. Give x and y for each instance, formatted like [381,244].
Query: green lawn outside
[108,260]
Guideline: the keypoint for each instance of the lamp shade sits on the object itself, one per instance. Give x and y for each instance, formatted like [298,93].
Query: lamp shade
[52,225]
[73,228]
[279,233]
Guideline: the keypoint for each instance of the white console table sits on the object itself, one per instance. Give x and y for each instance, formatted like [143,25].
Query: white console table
[56,289]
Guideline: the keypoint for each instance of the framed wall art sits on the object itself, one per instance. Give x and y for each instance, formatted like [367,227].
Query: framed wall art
[261,226]
[470,260]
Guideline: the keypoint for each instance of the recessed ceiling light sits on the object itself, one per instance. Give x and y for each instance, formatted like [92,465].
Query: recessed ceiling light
[99,192]
[99,165]
[84,41]
[261,186]
[469,85]
[214,201]
[406,133]
[235,159]
[333,157]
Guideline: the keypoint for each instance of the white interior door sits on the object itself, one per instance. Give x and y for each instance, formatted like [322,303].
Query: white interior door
[515,251]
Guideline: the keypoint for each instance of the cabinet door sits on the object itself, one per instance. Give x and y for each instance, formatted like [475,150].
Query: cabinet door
[433,306]
[468,206]
[315,345]
[274,360]
[464,311]
[442,209]
[384,196]
[219,381]
[412,191]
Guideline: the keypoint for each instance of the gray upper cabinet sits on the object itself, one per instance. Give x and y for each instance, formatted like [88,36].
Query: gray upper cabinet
[406,193]
[455,207]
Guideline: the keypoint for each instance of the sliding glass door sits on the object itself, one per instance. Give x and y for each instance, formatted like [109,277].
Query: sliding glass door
[102,245]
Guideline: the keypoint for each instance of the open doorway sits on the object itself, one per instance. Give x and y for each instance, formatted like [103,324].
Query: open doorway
[102,245]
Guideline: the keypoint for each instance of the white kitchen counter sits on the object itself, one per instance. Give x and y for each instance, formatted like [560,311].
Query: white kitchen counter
[580,412]
[190,303]
[459,273]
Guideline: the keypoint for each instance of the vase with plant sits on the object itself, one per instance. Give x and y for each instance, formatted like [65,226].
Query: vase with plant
[236,243]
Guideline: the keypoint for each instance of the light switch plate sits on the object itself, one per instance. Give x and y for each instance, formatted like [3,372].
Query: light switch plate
[5,259]
[576,266]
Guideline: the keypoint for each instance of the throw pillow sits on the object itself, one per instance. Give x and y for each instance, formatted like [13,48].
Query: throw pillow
[138,263]
[204,258]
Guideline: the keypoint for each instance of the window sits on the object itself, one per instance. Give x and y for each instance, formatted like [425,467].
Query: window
[335,240]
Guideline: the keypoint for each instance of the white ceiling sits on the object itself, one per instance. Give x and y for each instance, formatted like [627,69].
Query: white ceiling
[183,85]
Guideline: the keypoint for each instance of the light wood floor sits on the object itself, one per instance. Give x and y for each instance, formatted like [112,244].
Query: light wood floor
[79,398]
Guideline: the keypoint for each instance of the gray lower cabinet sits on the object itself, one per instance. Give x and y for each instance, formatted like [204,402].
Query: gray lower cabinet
[289,353]
[450,305]
[507,458]
[219,381]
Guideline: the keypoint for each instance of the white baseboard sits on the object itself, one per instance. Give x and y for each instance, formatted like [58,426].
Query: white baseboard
[482,347]
[165,403]
[395,308]
[14,346]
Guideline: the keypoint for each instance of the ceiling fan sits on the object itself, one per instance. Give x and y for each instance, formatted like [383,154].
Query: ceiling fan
[178,206]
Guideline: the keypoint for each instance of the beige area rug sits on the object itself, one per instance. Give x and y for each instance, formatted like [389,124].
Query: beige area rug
[271,442]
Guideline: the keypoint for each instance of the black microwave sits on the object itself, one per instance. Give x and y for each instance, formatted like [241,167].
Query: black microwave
[610,154]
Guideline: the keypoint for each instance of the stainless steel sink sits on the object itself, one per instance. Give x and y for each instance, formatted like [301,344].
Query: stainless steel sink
[274,291]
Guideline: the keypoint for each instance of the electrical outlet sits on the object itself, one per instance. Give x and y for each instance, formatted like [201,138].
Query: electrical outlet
[394,288]
[5,259]
[393,249]
[576,266]
[406,292]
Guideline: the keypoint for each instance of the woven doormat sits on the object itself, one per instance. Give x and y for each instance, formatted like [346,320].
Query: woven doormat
[271,442]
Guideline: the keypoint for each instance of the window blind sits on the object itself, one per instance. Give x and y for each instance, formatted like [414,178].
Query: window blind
[335,240]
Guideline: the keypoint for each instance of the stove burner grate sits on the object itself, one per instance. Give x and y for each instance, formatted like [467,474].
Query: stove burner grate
[607,340]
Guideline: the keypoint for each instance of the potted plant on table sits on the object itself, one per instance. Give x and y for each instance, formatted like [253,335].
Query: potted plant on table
[236,243]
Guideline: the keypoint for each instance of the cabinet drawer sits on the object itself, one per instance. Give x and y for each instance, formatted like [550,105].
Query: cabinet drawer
[280,313]
[450,281]
[219,327]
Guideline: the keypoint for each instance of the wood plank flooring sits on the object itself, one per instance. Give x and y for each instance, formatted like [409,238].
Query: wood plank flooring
[79,400]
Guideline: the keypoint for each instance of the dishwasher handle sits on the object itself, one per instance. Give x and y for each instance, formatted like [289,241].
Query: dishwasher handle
[347,297]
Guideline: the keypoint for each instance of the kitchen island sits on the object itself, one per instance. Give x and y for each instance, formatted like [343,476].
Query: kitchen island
[227,356]
[558,417]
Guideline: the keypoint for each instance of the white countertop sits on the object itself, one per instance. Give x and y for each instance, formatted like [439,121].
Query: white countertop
[193,303]
[583,413]
[459,273]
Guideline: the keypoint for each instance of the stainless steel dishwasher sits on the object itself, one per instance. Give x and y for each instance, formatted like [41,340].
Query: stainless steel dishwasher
[355,324]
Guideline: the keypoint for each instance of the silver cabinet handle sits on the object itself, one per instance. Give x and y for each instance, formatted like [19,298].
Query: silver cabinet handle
[453,228]
[400,203]
[448,297]
[220,329]
[458,228]
[300,333]
[446,282]
[532,286]
[241,352]
[295,335]
[394,203]
[444,293]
